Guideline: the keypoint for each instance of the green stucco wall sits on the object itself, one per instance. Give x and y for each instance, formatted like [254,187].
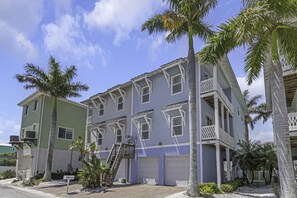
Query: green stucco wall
[6,149]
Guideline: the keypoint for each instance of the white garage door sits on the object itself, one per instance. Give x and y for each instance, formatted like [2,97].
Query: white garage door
[148,170]
[177,170]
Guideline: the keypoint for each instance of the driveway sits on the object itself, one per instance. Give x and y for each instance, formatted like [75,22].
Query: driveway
[131,191]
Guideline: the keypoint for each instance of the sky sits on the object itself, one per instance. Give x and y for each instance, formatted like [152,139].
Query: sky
[103,39]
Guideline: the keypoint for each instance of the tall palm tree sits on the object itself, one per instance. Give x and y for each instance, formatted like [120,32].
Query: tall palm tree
[265,27]
[253,109]
[57,84]
[185,18]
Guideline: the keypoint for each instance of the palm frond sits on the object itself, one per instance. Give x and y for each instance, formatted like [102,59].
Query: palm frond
[202,30]
[154,24]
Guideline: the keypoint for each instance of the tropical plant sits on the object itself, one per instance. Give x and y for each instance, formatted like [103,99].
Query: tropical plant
[80,144]
[57,84]
[266,27]
[254,113]
[93,170]
[247,157]
[185,18]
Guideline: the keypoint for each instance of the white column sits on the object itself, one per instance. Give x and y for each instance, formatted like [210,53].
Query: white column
[228,163]
[215,77]
[218,163]
[228,122]
[222,116]
[216,108]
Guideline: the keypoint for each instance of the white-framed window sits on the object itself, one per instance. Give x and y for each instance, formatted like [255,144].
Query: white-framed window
[34,127]
[177,126]
[26,110]
[120,103]
[145,94]
[65,133]
[119,135]
[101,109]
[23,133]
[176,84]
[145,133]
[209,120]
[99,139]
[35,105]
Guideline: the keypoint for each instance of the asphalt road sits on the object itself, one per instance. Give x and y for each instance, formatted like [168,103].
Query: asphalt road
[7,192]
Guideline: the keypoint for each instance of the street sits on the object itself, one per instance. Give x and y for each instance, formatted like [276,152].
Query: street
[7,192]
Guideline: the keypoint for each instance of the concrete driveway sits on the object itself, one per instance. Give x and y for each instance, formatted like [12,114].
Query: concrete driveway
[131,191]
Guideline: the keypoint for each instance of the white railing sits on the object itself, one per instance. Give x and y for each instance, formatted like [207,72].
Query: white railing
[224,97]
[89,120]
[285,65]
[292,121]
[208,132]
[226,138]
[206,86]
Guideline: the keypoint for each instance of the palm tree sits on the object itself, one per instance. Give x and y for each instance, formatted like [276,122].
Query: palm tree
[253,109]
[185,18]
[57,84]
[265,27]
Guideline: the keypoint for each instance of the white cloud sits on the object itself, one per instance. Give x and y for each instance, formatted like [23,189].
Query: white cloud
[120,17]
[66,39]
[19,19]
[263,136]
[7,127]
[156,47]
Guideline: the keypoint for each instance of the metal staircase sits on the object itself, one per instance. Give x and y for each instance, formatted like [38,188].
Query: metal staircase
[117,153]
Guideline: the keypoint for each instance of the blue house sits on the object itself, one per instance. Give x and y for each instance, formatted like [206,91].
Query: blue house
[152,109]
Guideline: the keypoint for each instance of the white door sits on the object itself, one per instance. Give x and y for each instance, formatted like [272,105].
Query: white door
[148,170]
[177,170]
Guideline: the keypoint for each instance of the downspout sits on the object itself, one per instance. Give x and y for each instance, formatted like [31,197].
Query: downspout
[39,133]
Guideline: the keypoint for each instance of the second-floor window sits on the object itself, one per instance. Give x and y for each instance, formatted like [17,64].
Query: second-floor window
[177,126]
[145,95]
[145,131]
[65,133]
[101,109]
[176,84]
[209,120]
[26,110]
[35,105]
[118,135]
[120,103]
[100,139]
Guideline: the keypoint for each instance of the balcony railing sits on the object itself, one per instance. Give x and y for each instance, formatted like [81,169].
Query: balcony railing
[208,133]
[208,86]
[89,120]
[292,121]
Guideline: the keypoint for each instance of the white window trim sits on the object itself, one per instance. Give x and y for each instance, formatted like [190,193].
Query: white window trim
[73,131]
[36,105]
[171,84]
[26,113]
[171,127]
[98,132]
[116,139]
[212,120]
[100,109]
[149,94]
[148,130]
[117,106]
[23,132]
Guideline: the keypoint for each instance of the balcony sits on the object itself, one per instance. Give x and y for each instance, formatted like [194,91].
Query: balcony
[209,133]
[89,120]
[207,86]
[292,121]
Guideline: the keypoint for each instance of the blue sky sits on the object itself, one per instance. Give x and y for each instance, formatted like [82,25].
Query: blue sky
[101,38]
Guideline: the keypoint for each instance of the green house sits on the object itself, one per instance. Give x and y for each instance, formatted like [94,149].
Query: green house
[32,142]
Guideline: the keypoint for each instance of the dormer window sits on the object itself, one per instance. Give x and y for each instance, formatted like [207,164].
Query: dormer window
[176,84]
[145,94]
[26,110]
[101,110]
[120,103]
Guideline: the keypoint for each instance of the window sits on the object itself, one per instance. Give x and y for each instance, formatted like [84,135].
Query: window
[145,95]
[90,111]
[23,133]
[209,120]
[118,135]
[34,127]
[35,105]
[100,139]
[176,84]
[65,133]
[101,109]
[176,126]
[145,131]
[26,109]
[120,103]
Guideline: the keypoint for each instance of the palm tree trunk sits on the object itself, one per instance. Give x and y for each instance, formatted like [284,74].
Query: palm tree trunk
[246,130]
[193,181]
[281,133]
[49,159]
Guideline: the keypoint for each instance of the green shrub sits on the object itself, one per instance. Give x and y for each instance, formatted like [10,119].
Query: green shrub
[227,188]
[5,162]
[276,189]
[7,174]
[232,185]
[208,189]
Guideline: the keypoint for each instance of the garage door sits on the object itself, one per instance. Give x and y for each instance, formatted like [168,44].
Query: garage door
[177,170]
[148,170]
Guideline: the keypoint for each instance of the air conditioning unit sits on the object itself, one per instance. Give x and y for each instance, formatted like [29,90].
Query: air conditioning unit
[30,134]
[14,138]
